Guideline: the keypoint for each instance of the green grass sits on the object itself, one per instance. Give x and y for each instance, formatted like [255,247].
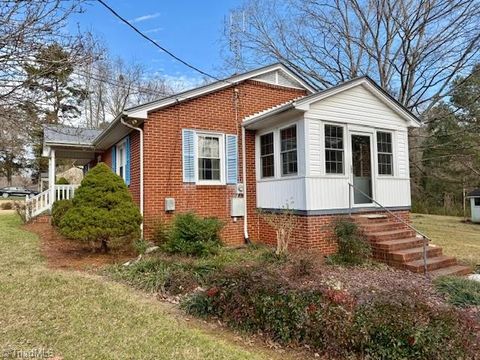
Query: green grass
[79,316]
[459,291]
[455,237]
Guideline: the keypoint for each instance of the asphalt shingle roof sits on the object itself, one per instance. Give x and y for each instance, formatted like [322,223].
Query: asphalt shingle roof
[71,135]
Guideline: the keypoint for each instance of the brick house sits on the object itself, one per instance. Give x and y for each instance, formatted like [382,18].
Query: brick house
[264,139]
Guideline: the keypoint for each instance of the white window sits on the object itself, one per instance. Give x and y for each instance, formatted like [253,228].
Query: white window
[210,161]
[267,158]
[121,160]
[385,153]
[288,150]
[334,156]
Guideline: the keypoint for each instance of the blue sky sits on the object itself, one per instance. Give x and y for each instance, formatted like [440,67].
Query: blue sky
[190,29]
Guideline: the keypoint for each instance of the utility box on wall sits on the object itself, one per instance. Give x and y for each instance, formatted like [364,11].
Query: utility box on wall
[237,207]
[169,204]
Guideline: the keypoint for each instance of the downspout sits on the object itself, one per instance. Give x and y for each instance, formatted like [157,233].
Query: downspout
[141,166]
[244,176]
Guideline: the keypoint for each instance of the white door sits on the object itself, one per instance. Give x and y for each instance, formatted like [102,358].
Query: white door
[361,168]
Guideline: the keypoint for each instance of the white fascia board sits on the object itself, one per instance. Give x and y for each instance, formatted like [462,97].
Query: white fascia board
[304,104]
[141,111]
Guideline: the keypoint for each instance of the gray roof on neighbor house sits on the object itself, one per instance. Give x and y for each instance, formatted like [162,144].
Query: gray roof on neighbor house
[474,193]
[60,134]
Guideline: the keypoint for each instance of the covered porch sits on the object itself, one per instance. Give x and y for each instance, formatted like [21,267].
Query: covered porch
[61,142]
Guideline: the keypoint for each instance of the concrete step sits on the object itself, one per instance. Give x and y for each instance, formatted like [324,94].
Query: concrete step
[432,263]
[397,244]
[416,253]
[390,235]
[454,270]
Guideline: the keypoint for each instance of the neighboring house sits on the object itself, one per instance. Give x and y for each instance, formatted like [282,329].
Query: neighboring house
[264,139]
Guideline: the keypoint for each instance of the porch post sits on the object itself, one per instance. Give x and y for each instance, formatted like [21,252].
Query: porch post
[51,175]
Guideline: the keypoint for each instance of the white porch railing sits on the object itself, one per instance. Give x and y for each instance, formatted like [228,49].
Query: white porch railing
[42,202]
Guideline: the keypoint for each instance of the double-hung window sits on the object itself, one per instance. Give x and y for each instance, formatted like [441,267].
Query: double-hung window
[209,158]
[385,153]
[121,159]
[267,158]
[288,150]
[334,151]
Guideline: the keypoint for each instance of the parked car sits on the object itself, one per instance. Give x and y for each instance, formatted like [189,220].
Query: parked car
[16,191]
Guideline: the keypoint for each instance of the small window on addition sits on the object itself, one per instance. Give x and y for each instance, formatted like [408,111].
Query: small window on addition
[476,201]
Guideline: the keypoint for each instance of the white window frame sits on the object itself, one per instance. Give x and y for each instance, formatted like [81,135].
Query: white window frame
[345,137]
[377,164]
[280,152]
[221,144]
[122,145]
[273,154]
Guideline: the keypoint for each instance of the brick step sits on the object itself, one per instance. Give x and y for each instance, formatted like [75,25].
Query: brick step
[369,219]
[457,270]
[382,226]
[415,253]
[390,235]
[398,244]
[432,263]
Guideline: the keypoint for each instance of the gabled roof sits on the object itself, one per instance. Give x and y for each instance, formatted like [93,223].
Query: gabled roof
[474,193]
[141,111]
[303,103]
[68,135]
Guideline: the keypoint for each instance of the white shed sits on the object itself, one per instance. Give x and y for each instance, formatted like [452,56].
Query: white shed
[475,205]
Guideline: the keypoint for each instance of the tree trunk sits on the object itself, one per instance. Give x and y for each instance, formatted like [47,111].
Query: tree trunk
[104,246]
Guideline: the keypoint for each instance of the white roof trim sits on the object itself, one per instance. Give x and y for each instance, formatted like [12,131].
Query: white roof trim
[304,103]
[141,111]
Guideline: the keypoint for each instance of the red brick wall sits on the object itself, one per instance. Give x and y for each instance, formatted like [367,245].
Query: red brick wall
[163,152]
[313,232]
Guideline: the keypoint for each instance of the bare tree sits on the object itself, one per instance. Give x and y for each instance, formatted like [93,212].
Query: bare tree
[413,48]
[114,85]
[27,27]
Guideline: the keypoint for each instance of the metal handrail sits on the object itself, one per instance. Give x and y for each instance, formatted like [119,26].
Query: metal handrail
[426,239]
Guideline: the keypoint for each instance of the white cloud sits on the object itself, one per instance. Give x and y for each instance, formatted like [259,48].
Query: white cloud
[154,30]
[144,18]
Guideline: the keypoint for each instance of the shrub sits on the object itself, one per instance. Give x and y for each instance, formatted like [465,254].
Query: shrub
[7,206]
[59,209]
[191,235]
[386,329]
[103,210]
[62,181]
[160,233]
[140,246]
[459,291]
[353,249]
[398,326]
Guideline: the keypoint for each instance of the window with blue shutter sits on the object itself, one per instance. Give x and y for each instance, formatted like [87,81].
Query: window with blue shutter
[128,162]
[188,150]
[114,159]
[232,159]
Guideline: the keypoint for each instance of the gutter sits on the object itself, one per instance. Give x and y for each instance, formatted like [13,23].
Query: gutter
[122,120]
[244,176]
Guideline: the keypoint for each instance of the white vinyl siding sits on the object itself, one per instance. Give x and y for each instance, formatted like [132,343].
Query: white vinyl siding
[357,111]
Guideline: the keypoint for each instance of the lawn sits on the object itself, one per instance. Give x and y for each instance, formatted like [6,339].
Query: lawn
[455,237]
[80,316]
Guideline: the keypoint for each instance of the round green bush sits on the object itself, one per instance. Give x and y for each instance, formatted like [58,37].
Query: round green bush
[102,211]
[59,209]
[190,234]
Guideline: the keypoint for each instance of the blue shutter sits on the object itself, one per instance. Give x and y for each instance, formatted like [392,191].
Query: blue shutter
[114,158]
[188,154]
[232,159]
[128,155]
